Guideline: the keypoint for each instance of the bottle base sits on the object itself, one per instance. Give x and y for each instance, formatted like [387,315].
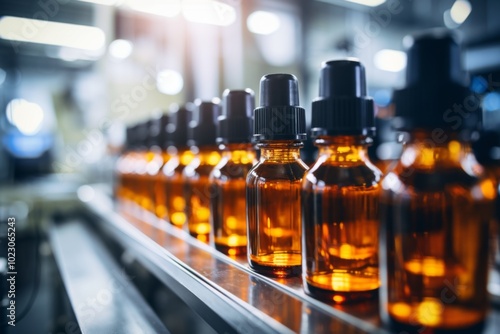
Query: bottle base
[202,237]
[276,271]
[400,327]
[339,297]
[431,316]
[231,250]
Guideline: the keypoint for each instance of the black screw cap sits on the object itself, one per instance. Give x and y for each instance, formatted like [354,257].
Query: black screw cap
[177,127]
[279,116]
[203,127]
[342,107]
[436,93]
[236,122]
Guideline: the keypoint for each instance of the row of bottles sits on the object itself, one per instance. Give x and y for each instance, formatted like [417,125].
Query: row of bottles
[417,237]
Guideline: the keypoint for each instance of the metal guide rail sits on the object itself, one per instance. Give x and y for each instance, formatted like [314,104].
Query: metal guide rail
[222,289]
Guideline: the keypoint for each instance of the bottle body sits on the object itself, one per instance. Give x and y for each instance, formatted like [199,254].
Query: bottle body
[197,191]
[436,211]
[340,222]
[273,194]
[158,186]
[147,178]
[175,203]
[228,203]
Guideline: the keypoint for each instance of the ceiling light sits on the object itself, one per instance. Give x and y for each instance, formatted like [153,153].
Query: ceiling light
[460,11]
[120,48]
[169,82]
[103,2]
[51,33]
[26,116]
[166,8]
[263,23]
[369,3]
[390,60]
[209,12]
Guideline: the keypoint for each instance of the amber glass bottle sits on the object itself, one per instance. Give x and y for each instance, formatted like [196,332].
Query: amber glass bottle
[202,135]
[155,157]
[157,178]
[341,190]
[124,166]
[180,157]
[228,178]
[436,207]
[142,157]
[273,186]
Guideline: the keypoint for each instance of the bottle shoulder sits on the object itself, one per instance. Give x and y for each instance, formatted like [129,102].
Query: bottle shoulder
[266,171]
[228,169]
[455,181]
[343,175]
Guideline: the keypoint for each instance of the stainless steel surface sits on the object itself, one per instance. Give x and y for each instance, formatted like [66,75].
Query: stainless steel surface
[102,296]
[213,282]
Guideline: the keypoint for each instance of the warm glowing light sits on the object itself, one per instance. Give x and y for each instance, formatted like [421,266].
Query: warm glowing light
[178,218]
[390,60]
[428,266]
[26,116]
[460,11]
[429,312]
[401,310]
[278,232]
[233,240]
[178,203]
[454,147]
[169,82]
[120,49]
[213,158]
[51,33]
[202,228]
[338,299]
[202,213]
[166,8]
[263,23]
[369,3]
[231,222]
[209,12]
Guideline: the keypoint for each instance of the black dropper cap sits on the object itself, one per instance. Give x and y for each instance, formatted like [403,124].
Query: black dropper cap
[141,135]
[235,125]
[342,108]
[436,93]
[279,116]
[157,125]
[177,128]
[202,129]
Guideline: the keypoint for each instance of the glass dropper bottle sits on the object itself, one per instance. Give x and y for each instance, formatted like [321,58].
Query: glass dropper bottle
[228,178]
[341,190]
[274,184]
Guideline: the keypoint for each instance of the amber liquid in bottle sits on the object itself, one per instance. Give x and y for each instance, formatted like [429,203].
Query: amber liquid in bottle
[341,224]
[274,210]
[147,179]
[174,186]
[228,202]
[197,191]
[436,210]
[158,187]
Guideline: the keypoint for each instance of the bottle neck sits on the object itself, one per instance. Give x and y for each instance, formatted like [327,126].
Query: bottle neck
[343,149]
[430,149]
[280,151]
[238,153]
